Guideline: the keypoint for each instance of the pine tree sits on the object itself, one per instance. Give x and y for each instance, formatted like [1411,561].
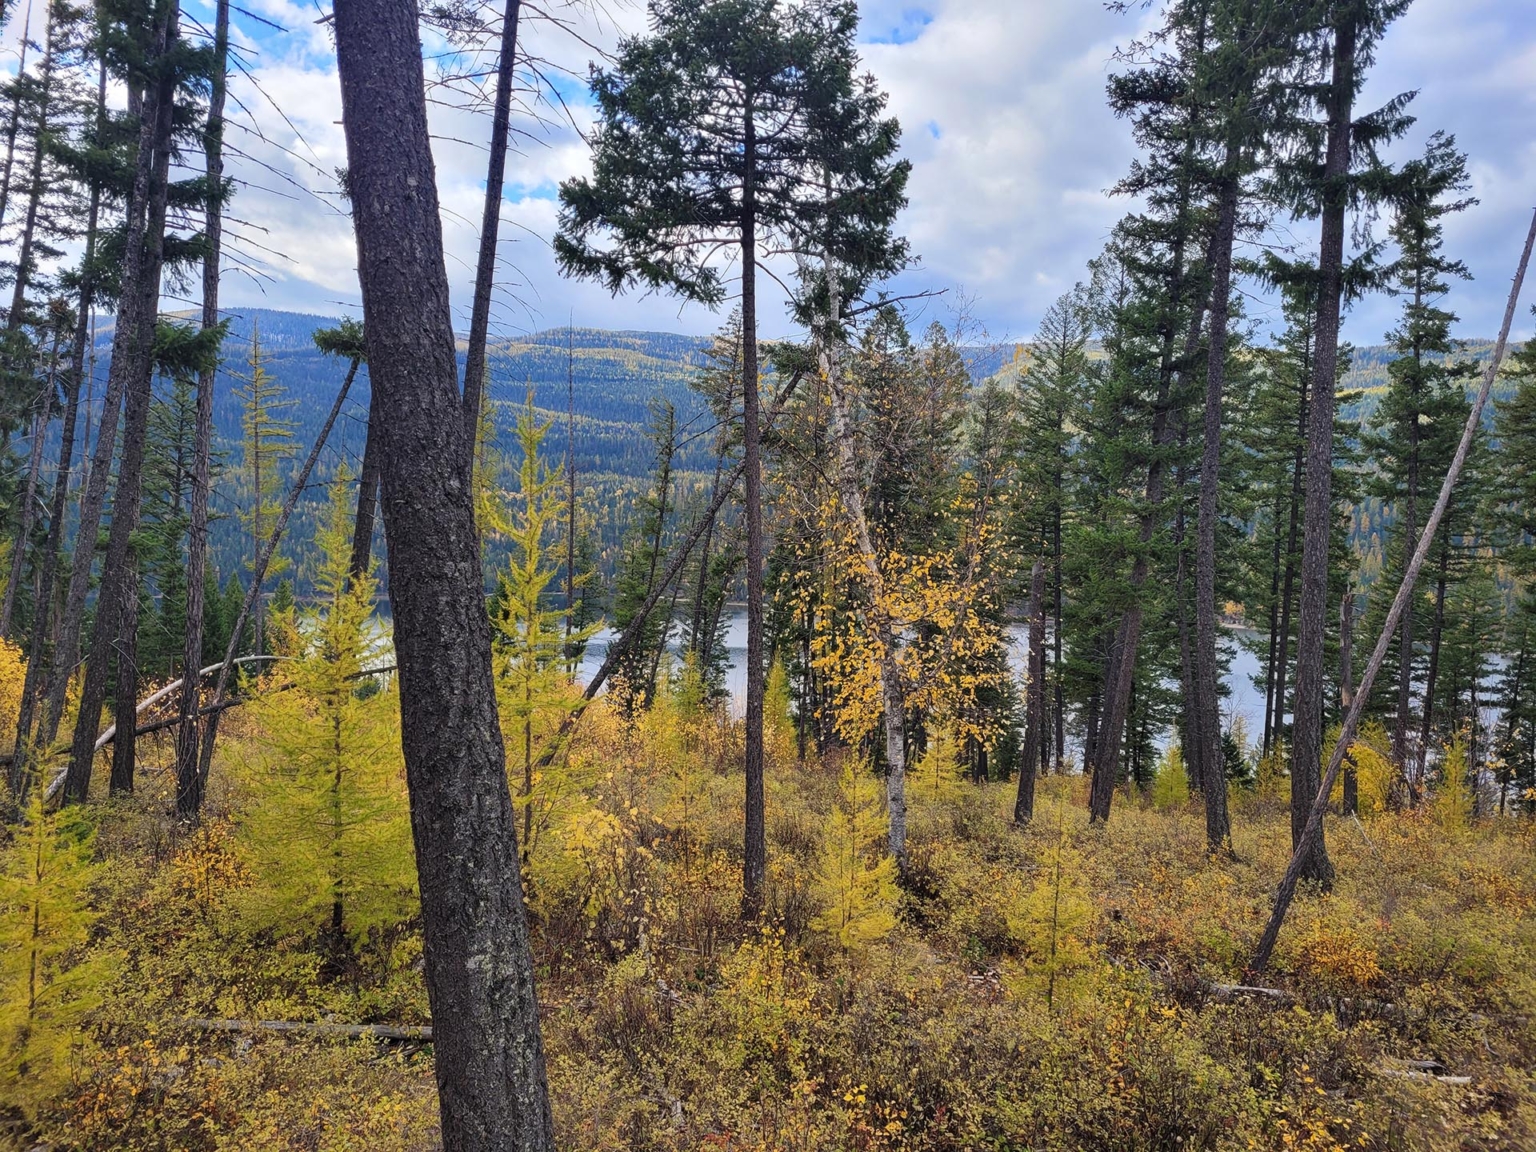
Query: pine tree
[1419,419]
[1336,167]
[640,566]
[855,881]
[1053,380]
[725,119]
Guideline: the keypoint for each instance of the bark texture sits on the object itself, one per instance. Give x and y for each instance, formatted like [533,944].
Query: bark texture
[1296,869]
[187,734]
[1207,734]
[492,1091]
[1034,716]
[1307,725]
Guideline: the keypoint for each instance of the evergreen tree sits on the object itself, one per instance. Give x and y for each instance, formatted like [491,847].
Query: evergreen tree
[1053,381]
[1334,168]
[1419,419]
[727,118]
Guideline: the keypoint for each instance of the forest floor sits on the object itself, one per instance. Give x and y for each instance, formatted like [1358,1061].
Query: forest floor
[1053,988]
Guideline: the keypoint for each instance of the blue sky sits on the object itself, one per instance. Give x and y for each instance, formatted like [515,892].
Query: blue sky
[1012,148]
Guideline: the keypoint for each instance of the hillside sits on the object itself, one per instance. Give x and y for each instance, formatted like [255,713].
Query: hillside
[613,378]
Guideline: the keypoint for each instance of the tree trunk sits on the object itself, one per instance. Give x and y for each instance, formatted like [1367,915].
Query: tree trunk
[1273,648]
[187,734]
[1347,695]
[490,223]
[493,1095]
[1350,726]
[367,500]
[755,856]
[39,663]
[1218,825]
[130,377]
[1432,674]
[1034,729]
[24,257]
[1410,542]
[41,419]
[1307,725]
[190,791]
[1059,712]
[15,123]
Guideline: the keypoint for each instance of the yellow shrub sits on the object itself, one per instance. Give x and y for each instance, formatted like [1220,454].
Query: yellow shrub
[13,671]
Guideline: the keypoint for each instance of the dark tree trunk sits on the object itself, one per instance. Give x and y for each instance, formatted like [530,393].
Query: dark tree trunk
[1347,694]
[40,665]
[1307,726]
[42,417]
[187,734]
[1432,674]
[1218,825]
[1288,590]
[130,376]
[490,224]
[367,501]
[1410,542]
[754,869]
[1034,714]
[492,1091]
[24,255]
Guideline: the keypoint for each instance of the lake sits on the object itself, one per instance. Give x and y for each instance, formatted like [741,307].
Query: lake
[1243,698]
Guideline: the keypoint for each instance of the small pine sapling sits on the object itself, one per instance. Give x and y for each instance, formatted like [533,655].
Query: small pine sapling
[326,819]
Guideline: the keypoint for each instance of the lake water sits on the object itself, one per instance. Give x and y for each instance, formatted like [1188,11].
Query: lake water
[1243,699]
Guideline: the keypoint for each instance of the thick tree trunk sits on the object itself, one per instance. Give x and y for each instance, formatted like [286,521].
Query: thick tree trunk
[492,1090]
[1295,870]
[1218,825]
[187,735]
[1307,725]
[490,224]
[130,375]
[1034,728]
[755,856]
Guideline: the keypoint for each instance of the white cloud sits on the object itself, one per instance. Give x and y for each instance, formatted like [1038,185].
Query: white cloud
[1002,104]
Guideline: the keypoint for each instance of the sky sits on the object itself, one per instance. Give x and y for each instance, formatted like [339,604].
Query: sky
[1001,102]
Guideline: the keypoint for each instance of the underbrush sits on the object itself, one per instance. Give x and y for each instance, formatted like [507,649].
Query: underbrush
[1060,987]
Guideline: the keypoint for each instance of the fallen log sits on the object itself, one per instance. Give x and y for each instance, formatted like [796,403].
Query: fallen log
[390,1032]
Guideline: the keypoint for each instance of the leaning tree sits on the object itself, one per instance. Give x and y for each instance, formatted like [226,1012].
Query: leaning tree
[736,128]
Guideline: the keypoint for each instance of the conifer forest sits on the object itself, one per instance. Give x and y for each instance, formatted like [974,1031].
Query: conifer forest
[437,716]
